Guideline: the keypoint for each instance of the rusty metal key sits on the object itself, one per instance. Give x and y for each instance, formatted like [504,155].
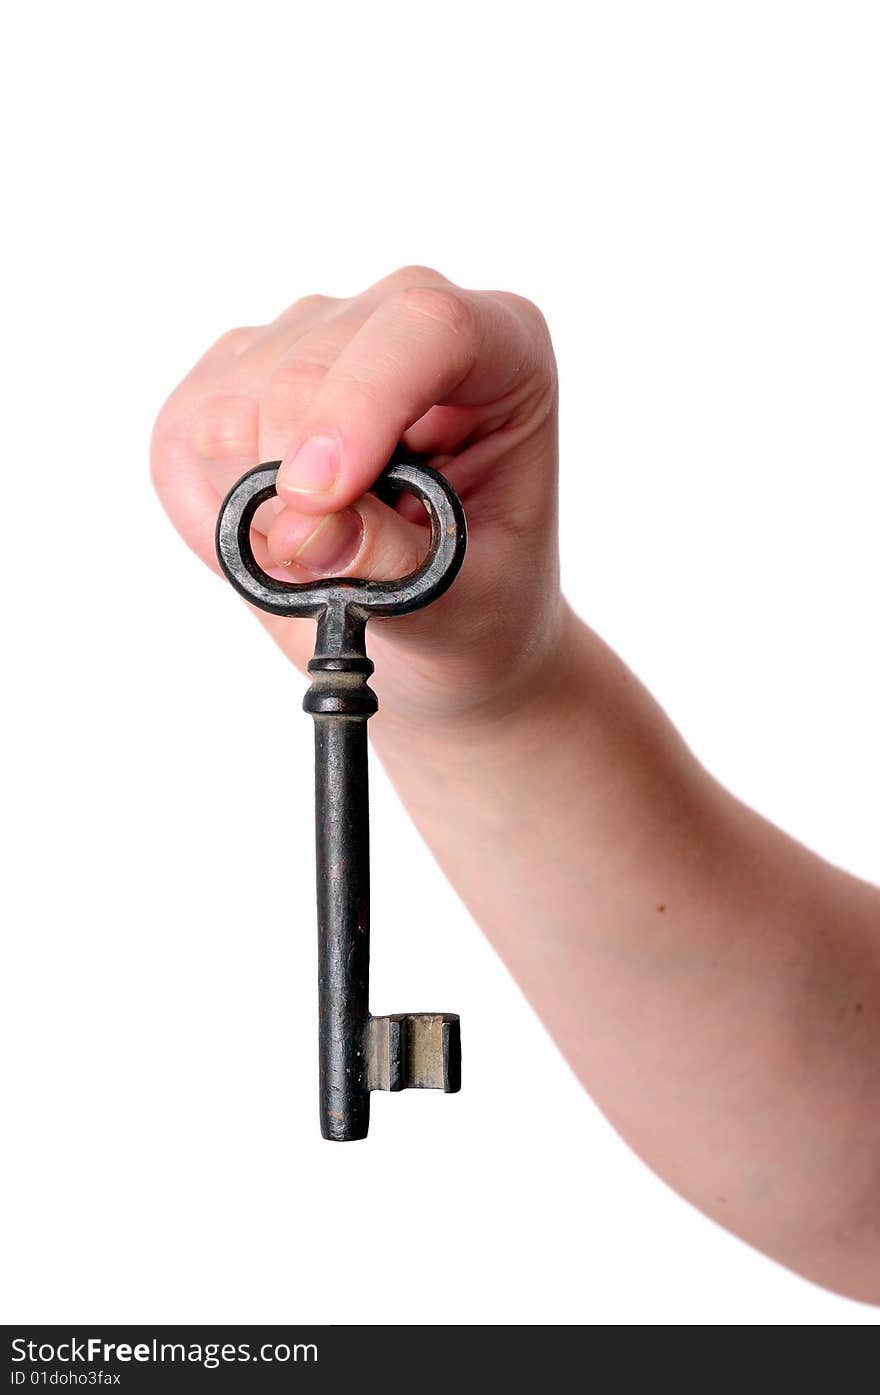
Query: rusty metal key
[357,1052]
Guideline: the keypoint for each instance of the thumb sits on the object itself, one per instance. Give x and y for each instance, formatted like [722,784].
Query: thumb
[368,540]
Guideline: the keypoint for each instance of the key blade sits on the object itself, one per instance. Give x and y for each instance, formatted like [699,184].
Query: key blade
[414,1051]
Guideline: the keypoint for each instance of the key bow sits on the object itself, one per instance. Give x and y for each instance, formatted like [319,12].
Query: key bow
[407,593]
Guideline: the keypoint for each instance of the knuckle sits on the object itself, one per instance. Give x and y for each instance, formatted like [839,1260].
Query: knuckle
[314,305]
[236,340]
[224,427]
[529,311]
[415,275]
[368,387]
[443,304]
[290,388]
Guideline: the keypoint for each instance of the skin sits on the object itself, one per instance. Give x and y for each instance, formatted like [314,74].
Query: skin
[715,985]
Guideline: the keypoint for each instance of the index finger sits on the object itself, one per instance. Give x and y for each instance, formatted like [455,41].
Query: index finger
[424,346]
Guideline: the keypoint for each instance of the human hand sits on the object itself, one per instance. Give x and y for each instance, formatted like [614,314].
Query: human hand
[466,379]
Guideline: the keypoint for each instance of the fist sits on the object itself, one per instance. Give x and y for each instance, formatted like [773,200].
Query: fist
[466,379]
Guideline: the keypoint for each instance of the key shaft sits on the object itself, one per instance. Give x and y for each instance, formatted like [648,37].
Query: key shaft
[341,702]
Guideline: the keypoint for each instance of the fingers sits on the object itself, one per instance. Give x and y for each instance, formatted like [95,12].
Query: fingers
[414,357]
[309,350]
[240,402]
[422,346]
[207,433]
[368,540]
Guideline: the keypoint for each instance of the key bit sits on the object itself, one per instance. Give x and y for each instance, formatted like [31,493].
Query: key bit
[357,1052]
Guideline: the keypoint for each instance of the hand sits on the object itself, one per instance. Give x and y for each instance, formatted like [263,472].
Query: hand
[466,379]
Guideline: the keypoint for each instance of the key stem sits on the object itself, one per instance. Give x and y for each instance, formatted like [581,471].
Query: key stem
[341,703]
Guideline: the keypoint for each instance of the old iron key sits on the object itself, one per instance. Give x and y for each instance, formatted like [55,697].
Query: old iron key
[358,1052]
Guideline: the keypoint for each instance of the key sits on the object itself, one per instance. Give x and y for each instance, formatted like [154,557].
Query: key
[357,1052]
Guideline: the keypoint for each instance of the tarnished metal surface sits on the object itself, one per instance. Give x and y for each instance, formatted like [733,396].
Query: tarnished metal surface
[358,1053]
[414,1051]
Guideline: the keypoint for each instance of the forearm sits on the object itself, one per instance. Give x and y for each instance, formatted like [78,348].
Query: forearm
[714,984]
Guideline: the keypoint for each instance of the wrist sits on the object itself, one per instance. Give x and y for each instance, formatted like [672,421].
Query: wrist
[579,723]
[547,682]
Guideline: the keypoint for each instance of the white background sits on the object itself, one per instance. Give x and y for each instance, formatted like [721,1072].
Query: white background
[690,192]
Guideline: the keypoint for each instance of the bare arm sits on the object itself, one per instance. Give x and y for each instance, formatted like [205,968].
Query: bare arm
[715,985]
